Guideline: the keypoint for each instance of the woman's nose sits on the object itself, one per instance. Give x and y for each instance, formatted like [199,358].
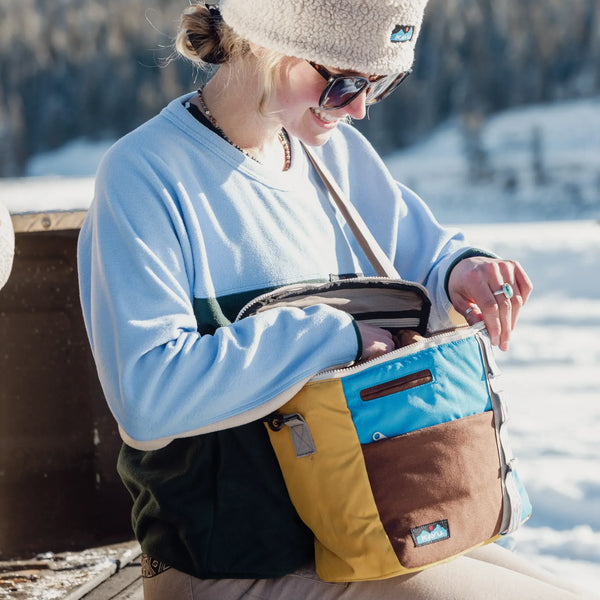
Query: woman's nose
[357,109]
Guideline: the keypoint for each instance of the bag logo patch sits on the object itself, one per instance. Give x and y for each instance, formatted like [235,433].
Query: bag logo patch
[430,533]
[403,33]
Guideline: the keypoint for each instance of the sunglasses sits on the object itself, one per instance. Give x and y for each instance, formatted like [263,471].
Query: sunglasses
[343,89]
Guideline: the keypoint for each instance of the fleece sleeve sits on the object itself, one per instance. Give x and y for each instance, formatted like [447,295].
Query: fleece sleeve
[161,378]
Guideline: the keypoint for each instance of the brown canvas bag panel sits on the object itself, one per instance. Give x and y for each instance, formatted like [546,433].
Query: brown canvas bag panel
[447,473]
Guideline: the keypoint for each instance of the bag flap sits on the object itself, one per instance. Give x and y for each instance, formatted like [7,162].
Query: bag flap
[388,303]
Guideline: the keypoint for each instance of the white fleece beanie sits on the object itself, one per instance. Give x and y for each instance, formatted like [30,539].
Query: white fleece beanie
[376,37]
[7,244]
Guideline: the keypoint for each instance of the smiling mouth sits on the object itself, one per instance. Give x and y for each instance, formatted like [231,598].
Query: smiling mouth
[323,116]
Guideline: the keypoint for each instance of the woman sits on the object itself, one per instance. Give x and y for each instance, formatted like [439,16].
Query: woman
[210,204]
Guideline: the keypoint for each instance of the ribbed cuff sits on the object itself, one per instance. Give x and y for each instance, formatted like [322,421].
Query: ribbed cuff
[358,339]
[468,254]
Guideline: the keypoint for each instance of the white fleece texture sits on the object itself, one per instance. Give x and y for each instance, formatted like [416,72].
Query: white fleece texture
[7,244]
[346,34]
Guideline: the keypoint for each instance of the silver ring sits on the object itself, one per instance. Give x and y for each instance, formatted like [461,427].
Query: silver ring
[468,311]
[507,290]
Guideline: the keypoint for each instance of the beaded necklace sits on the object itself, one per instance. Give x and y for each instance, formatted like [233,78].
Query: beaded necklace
[283,137]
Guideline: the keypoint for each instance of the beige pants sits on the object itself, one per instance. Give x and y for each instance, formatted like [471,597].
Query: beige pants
[488,573]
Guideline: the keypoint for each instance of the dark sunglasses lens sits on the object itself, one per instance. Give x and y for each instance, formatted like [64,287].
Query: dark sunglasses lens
[342,91]
[383,87]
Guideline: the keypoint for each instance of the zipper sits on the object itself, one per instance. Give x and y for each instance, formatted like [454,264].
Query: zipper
[449,335]
[312,286]
[402,384]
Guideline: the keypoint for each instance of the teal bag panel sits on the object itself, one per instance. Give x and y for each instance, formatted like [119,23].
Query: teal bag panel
[449,383]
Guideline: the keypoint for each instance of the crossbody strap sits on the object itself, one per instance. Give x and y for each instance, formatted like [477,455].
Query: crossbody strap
[381,263]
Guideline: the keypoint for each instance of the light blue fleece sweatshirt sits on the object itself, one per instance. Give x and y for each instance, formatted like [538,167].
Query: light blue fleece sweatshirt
[184,229]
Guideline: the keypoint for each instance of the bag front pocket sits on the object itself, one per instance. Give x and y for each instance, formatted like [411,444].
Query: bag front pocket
[402,384]
[438,490]
[425,387]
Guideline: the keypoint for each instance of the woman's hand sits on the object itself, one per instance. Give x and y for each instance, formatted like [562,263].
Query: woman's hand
[477,289]
[375,341]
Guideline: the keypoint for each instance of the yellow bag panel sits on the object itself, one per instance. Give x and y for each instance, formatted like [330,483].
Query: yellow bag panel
[339,466]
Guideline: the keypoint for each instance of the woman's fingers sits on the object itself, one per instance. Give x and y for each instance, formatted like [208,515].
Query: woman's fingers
[492,290]
[375,341]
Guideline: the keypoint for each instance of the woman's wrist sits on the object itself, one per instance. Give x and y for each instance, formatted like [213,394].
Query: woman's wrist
[467,254]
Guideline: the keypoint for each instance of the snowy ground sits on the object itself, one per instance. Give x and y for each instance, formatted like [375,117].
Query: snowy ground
[552,368]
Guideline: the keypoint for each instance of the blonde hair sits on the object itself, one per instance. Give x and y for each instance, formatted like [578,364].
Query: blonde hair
[205,40]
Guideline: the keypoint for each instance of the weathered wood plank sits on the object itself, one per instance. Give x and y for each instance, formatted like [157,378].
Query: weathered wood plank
[73,575]
[126,584]
[48,221]
[131,553]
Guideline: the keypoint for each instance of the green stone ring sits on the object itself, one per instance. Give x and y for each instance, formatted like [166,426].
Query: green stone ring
[507,290]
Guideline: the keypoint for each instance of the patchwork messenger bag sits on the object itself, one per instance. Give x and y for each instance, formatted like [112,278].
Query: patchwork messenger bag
[401,462]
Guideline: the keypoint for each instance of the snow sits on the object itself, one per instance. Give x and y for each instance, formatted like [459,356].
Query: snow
[552,375]
[77,158]
[538,163]
[48,193]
